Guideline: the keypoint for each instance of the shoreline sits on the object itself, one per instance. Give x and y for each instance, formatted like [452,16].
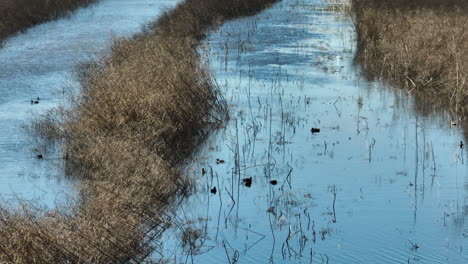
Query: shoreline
[19,15]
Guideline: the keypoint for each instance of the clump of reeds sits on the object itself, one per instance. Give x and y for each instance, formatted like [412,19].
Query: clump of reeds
[141,112]
[17,15]
[422,45]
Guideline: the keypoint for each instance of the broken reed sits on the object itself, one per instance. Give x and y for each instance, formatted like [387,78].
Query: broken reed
[141,112]
[18,15]
[422,45]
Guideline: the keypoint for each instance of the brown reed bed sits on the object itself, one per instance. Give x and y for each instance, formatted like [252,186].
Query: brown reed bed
[141,112]
[420,45]
[18,15]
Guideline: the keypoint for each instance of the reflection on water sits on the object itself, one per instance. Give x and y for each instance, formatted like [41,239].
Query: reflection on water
[379,183]
[40,63]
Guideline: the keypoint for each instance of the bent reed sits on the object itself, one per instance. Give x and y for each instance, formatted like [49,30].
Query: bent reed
[18,15]
[140,114]
[419,44]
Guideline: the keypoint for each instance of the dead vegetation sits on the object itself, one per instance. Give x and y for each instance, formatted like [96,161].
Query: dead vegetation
[18,15]
[140,114]
[421,45]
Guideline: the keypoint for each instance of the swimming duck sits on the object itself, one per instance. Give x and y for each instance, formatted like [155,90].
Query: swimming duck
[39,156]
[247,181]
[273,182]
[213,191]
[461,144]
[219,161]
[203,171]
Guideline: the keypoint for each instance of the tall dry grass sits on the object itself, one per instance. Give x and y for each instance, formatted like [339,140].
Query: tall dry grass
[141,113]
[419,44]
[18,15]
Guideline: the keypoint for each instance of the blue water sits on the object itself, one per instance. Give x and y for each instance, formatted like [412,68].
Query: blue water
[398,173]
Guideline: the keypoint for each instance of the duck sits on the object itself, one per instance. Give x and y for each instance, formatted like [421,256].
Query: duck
[315,130]
[219,161]
[203,171]
[34,102]
[461,144]
[453,124]
[213,190]
[273,182]
[40,156]
[247,181]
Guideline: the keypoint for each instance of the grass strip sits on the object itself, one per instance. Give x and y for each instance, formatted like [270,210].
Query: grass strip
[420,45]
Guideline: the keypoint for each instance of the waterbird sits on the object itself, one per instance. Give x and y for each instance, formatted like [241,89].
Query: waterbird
[247,181]
[461,144]
[39,156]
[218,161]
[213,191]
[34,102]
[453,124]
[273,182]
[315,130]
[203,171]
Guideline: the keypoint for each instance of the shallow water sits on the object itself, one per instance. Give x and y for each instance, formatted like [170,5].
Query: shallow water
[382,182]
[41,63]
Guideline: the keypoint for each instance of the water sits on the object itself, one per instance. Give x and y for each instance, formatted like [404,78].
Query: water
[383,175]
[41,63]
[384,181]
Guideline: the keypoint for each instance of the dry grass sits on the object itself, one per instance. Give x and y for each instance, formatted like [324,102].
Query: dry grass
[140,114]
[18,15]
[422,45]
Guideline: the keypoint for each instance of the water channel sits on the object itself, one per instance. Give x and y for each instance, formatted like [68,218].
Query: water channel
[383,181]
[41,63]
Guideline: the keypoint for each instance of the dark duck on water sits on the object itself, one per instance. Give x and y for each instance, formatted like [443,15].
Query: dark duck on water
[247,181]
[213,190]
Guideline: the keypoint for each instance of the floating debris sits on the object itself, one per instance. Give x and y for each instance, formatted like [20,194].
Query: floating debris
[213,191]
[39,156]
[315,130]
[219,161]
[203,171]
[247,181]
[273,182]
